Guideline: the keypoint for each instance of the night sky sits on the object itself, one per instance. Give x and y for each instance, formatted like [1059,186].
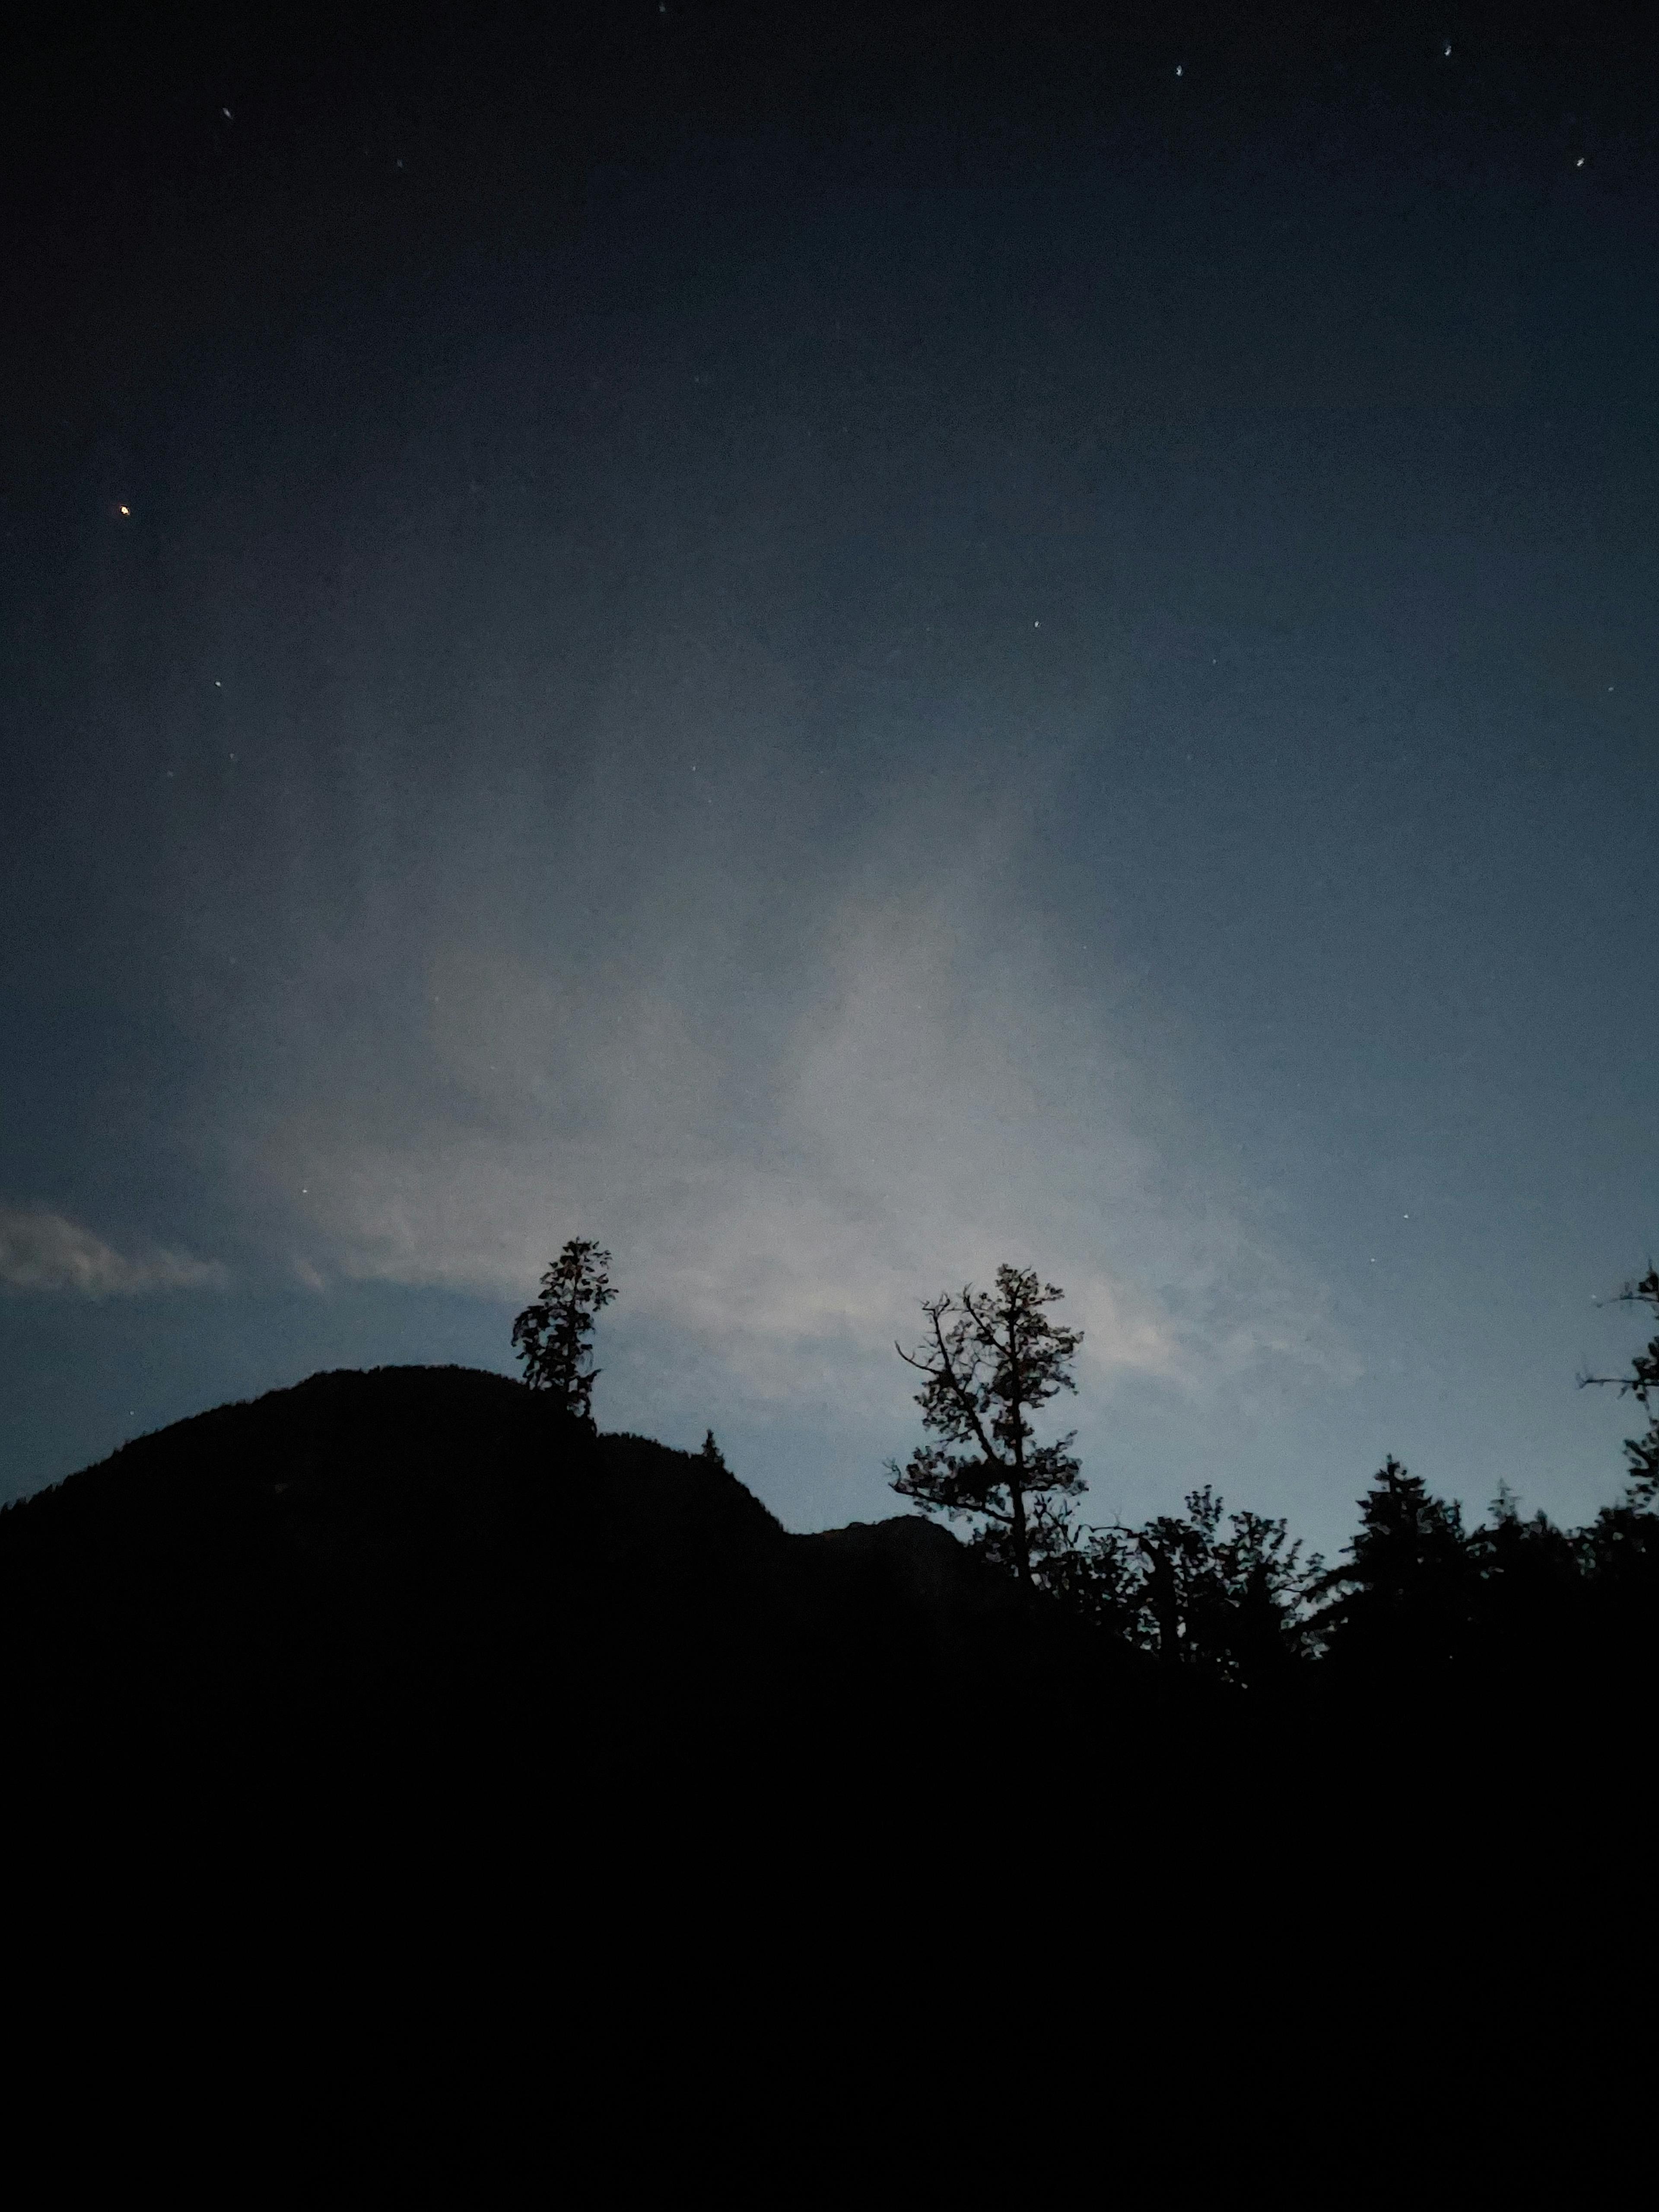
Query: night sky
[833,648]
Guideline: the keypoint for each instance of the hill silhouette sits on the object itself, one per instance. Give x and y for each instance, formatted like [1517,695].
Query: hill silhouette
[433,1587]
[373,1573]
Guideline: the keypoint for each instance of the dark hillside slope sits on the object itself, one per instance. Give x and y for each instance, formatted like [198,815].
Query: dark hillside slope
[433,1564]
[317,1558]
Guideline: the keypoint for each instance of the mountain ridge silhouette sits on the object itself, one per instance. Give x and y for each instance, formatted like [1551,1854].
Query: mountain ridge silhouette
[403,1565]
[432,1589]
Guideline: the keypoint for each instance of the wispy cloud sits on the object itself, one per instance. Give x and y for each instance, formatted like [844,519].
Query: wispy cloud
[926,1103]
[802,1047]
[42,1251]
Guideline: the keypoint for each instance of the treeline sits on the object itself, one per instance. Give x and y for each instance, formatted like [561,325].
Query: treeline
[1228,1596]
[1225,1596]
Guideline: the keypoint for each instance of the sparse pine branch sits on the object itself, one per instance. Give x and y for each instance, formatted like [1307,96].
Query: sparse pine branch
[1641,1383]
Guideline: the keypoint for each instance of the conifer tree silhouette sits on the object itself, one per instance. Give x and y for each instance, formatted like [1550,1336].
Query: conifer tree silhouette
[994,1357]
[1405,1596]
[551,1335]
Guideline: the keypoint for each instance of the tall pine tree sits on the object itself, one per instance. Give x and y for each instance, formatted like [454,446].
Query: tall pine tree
[991,1359]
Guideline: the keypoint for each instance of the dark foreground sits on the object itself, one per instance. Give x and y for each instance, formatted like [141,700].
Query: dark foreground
[426,1585]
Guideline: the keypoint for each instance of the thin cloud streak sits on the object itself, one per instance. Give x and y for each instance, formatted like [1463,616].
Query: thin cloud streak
[42,1251]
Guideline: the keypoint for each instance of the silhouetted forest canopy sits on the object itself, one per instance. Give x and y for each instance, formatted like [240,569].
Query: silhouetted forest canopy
[412,1564]
[1229,1596]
